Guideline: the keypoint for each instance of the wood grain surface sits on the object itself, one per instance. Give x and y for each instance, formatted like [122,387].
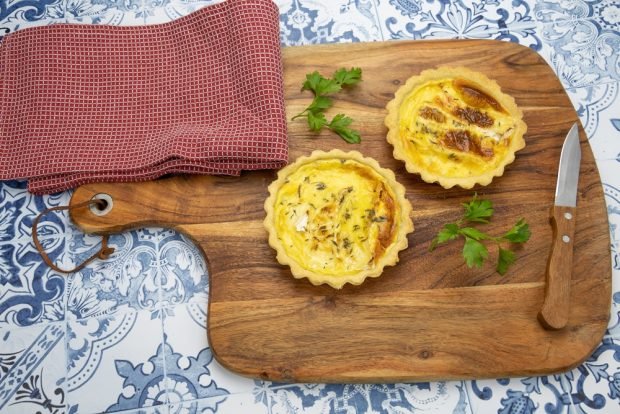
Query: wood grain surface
[429,317]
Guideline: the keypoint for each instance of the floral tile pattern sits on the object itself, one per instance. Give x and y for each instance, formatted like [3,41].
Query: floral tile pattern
[182,273]
[611,187]
[115,363]
[304,22]
[595,385]
[231,404]
[599,117]
[162,11]
[524,395]
[552,10]
[30,292]
[582,52]
[128,334]
[20,14]
[462,19]
[32,372]
[160,409]
[186,340]
[111,12]
[613,328]
[436,398]
[150,269]
[191,370]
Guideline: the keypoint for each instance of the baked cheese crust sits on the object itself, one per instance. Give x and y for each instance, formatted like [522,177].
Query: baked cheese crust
[454,126]
[337,218]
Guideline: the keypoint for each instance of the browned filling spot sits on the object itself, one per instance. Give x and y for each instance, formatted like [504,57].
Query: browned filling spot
[387,227]
[463,141]
[432,113]
[475,97]
[328,209]
[474,116]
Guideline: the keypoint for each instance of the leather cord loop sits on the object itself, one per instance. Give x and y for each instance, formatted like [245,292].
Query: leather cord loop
[104,252]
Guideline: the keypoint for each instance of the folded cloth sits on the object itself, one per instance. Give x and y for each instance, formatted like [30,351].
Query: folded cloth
[91,103]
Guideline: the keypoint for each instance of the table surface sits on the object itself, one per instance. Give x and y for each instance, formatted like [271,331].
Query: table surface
[128,334]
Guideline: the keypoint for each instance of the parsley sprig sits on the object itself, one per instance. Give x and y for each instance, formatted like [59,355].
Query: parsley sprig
[322,87]
[475,252]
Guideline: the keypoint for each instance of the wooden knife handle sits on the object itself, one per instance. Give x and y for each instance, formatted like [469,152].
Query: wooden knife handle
[555,309]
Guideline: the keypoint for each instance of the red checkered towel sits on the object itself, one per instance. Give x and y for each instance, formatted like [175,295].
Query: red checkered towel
[87,103]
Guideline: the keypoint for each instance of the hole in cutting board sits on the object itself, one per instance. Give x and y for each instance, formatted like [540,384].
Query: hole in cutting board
[103,208]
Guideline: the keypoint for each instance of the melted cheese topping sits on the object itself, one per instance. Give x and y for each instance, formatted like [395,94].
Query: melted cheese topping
[453,129]
[335,217]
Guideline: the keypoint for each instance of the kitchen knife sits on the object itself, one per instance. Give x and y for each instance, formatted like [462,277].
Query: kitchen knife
[555,309]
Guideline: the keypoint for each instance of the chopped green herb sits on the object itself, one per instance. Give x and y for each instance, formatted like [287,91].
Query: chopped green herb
[348,77]
[478,210]
[475,251]
[506,258]
[346,243]
[519,233]
[321,87]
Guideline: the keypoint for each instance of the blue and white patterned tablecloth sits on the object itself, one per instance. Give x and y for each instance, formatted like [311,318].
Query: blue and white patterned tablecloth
[128,335]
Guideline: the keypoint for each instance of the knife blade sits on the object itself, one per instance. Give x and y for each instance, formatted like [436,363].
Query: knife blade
[555,310]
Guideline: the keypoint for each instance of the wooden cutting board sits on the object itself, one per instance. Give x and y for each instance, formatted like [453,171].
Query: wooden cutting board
[429,317]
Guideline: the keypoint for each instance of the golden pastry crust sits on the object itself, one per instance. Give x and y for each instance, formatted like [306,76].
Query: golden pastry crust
[454,126]
[337,217]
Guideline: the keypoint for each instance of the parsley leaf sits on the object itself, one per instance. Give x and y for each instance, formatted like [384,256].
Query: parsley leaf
[321,87]
[316,121]
[478,211]
[312,81]
[449,232]
[519,233]
[506,258]
[474,252]
[319,84]
[348,77]
[327,86]
[473,233]
[349,135]
[320,103]
[340,121]
[340,125]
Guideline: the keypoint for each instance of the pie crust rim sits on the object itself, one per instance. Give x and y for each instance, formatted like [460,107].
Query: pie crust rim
[483,83]
[404,222]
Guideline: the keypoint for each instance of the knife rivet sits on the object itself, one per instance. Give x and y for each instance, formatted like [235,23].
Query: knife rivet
[565,239]
[568,216]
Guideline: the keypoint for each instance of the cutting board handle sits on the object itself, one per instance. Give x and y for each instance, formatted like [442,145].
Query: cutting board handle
[169,202]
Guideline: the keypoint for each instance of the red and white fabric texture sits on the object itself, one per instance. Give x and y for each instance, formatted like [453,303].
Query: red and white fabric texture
[88,103]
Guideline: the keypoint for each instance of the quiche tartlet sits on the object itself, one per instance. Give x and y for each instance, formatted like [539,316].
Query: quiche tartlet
[454,126]
[337,217]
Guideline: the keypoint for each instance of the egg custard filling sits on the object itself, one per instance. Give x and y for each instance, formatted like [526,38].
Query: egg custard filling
[337,218]
[455,127]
